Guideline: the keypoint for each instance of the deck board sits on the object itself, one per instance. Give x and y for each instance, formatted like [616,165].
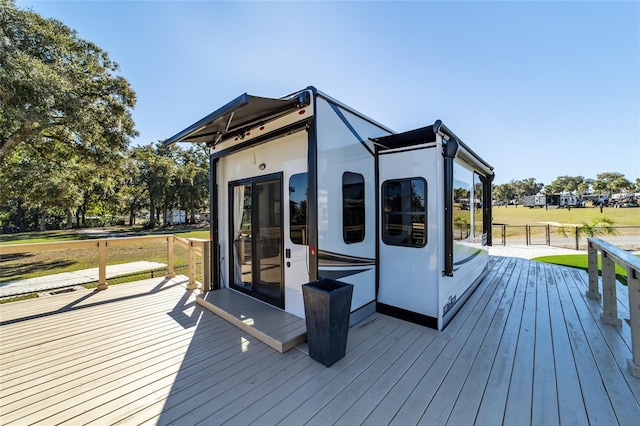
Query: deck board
[527,348]
[470,396]
[273,326]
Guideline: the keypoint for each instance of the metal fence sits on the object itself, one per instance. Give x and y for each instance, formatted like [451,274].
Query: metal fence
[572,237]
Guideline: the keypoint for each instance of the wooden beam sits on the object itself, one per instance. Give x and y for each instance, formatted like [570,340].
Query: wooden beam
[593,292]
[610,299]
[102,265]
[633,284]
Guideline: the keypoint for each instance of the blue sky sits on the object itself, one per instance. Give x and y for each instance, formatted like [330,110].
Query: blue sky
[538,89]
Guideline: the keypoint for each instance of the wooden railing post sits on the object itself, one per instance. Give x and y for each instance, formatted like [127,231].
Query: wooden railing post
[102,265]
[170,267]
[192,266]
[609,300]
[633,283]
[593,292]
[206,266]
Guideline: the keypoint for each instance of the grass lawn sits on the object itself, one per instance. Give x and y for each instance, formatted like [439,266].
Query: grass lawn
[522,216]
[581,261]
[35,264]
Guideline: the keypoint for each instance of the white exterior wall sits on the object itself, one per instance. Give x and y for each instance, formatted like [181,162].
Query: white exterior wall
[473,258]
[340,151]
[287,155]
[409,275]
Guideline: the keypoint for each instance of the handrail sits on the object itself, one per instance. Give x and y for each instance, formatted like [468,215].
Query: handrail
[196,247]
[611,255]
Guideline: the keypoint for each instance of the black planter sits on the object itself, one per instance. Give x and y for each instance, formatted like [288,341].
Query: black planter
[327,306]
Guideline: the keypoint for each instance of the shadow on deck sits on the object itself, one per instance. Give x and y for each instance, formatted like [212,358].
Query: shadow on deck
[528,347]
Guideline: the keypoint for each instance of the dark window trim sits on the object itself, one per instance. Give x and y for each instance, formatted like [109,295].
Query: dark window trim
[478,176]
[306,224]
[408,213]
[252,181]
[364,210]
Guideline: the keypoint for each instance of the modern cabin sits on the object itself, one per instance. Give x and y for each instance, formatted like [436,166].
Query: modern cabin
[304,187]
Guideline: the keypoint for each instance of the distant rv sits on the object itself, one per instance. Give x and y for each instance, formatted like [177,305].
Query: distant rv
[306,188]
[532,201]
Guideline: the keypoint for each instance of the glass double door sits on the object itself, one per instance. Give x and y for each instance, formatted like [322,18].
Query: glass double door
[256,231]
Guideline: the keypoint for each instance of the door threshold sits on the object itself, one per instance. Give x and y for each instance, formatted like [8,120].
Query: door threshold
[279,329]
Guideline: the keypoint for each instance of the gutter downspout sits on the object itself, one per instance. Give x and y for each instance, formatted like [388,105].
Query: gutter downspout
[214,251]
[449,152]
[487,205]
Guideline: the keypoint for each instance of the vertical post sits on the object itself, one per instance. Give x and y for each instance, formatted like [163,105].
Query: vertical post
[548,235]
[609,300]
[450,151]
[170,267]
[102,265]
[633,284]
[206,266]
[213,223]
[504,234]
[577,239]
[192,267]
[526,234]
[593,292]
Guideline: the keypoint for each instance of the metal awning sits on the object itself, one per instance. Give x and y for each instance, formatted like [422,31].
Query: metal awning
[425,135]
[237,116]
[409,138]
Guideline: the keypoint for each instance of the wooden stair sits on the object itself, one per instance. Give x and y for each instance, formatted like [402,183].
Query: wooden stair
[275,327]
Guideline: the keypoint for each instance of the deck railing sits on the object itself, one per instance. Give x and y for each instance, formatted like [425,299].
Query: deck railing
[197,248]
[612,255]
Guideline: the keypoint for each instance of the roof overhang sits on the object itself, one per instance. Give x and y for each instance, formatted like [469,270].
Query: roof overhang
[238,116]
[427,135]
[408,138]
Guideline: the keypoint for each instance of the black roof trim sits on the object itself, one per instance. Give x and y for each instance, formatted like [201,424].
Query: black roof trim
[421,136]
[239,115]
[409,138]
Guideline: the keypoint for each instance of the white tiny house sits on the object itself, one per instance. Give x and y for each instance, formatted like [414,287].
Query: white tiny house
[304,187]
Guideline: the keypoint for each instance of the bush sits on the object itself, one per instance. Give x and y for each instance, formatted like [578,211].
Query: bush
[149,224]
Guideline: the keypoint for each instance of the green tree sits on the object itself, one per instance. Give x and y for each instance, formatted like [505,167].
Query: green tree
[611,182]
[504,192]
[191,180]
[527,187]
[45,176]
[56,86]
[157,168]
[135,192]
[567,185]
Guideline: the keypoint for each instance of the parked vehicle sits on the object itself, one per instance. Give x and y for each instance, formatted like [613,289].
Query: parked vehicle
[532,201]
[309,188]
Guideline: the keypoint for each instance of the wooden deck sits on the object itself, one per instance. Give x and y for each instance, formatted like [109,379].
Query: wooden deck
[275,327]
[527,348]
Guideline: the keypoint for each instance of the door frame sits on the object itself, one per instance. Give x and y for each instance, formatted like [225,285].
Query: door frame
[252,181]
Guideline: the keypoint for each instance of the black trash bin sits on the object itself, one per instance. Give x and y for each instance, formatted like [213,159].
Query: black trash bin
[327,306]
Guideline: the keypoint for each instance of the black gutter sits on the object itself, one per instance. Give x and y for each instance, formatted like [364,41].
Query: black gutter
[213,225]
[487,183]
[449,152]
[312,182]
[312,207]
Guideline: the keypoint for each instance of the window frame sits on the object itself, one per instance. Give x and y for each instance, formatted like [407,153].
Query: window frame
[386,214]
[348,204]
[304,238]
